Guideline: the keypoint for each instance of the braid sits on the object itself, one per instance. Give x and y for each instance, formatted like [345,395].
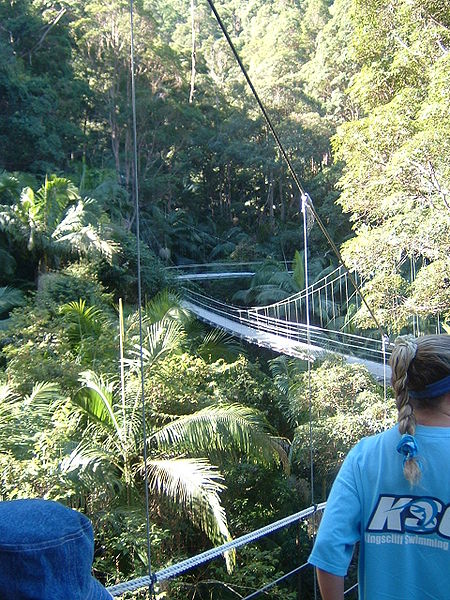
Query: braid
[402,356]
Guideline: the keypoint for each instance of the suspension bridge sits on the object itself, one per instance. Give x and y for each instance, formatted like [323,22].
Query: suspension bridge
[282,327]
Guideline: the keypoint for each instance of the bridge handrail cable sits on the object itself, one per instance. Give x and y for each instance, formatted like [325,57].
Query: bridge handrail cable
[195,561]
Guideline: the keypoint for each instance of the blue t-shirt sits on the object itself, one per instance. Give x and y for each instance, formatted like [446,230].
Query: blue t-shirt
[403,530]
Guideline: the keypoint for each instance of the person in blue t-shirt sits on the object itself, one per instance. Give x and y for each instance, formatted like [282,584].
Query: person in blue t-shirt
[392,494]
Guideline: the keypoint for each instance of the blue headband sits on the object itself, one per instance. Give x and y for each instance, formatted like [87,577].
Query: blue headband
[434,390]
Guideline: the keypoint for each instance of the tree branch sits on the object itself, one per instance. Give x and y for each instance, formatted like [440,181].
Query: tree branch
[38,44]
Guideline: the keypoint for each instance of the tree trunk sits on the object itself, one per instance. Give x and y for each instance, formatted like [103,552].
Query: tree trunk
[193,53]
[282,205]
[270,196]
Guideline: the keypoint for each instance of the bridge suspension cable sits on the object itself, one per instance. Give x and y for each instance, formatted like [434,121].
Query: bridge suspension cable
[306,200]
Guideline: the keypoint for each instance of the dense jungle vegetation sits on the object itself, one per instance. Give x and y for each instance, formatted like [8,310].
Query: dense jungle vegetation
[359,91]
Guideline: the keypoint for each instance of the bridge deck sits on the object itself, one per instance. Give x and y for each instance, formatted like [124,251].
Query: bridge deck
[277,343]
[206,276]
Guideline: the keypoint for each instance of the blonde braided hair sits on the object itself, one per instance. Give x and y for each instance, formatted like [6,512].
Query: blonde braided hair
[416,363]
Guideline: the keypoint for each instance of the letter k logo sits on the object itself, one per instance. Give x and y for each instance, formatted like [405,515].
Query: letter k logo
[387,515]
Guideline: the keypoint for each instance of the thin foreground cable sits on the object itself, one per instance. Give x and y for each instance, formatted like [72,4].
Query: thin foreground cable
[139,284]
[282,578]
[276,582]
[289,164]
[351,589]
[385,343]
[308,341]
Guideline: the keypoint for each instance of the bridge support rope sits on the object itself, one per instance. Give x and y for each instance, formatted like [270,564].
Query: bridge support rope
[190,563]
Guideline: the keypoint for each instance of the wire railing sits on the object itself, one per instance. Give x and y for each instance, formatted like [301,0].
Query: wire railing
[326,340]
[220,266]
[184,566]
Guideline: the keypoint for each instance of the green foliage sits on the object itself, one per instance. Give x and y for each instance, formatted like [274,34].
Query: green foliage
[35,349]
[255,567]
[344,404]
[53,222]
[395,167]
[82,321]
[123,543]
[120,274]
[430,291]
[42,102]
[371,73]
[269,284]
[224,429]
[299,269]
[9,298]
[78,280]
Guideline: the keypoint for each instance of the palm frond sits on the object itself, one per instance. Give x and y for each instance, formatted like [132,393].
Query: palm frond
[9,417]
[285,370]
[7,261]
[243,297]
[8,398]
[44,393]
[161,338]
[222,249]
[82,320]
[6,393]
[76,230]
[9,186]
[52,198]
[218,344]
[89,455]
[194,485]
[225,429]
[268,294]
[95,399]
[9,298]
[283,280]
[321,273]
[165,305]
[93,462]
[27,207]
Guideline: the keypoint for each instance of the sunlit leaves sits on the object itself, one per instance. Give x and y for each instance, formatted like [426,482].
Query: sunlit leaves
[395,184]
[194,485]
[226,429]
[83,321]
[56,221]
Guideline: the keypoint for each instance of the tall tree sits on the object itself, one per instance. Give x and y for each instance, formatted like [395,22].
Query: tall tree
[395,182]
[55,220]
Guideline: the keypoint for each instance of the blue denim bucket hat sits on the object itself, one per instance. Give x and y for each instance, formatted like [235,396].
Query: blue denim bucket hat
[46,552]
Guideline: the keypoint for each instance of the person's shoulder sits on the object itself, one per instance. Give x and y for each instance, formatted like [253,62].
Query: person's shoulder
[379,439]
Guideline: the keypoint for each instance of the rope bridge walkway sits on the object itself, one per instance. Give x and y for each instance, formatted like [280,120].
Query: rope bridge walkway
[219,270]
[279,326]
